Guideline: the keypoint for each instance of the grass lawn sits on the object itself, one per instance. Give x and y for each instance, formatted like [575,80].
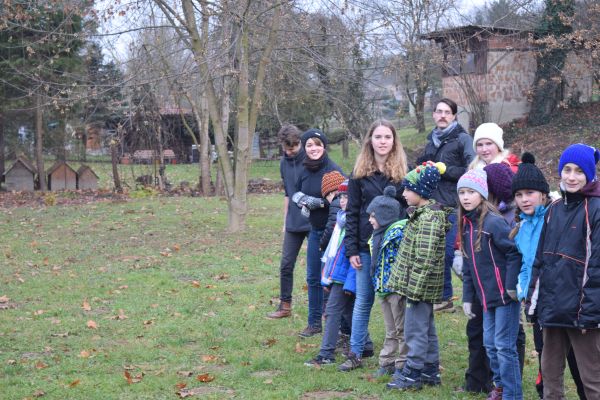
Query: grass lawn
[139,299]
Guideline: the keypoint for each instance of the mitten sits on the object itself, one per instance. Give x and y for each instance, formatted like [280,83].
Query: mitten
[313,203]
[457,264]
[305,212]
[299,198]
[467,307]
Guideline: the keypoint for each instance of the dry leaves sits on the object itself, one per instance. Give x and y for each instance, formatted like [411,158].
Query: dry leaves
[269,342]
[121,316]
[210,358]
[205,378]
[195,284]
[133,379]
[92,324]
[4,299]
[40,365]
[74,383]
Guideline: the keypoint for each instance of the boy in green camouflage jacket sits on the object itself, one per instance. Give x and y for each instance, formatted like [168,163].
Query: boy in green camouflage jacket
[418,275]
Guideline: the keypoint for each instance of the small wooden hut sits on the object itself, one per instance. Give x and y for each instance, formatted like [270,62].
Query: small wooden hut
[86,178]
[20,176]
[61,177]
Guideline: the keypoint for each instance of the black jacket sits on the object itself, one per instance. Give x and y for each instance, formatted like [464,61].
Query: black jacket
[456,151]
[360,193]
[309,183]
[334,207]
[563,296]
[290,169]
[494,269]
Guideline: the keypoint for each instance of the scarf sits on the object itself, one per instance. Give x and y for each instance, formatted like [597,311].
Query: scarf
[315,165]
[438,135]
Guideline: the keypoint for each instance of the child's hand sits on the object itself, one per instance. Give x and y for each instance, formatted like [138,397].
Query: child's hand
[467,309]
[512,294]
[355,262]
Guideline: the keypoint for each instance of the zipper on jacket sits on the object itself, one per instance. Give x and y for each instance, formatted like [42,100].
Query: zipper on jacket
[475,264]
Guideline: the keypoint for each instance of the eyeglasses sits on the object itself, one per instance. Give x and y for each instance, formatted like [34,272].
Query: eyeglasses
[442,112]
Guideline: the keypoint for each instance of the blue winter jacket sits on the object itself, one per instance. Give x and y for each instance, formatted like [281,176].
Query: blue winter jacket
[387,256]
[527,240]
[336,268]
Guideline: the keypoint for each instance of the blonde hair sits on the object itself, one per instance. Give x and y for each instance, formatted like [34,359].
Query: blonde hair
[484,208]
[395,165]
[500,158]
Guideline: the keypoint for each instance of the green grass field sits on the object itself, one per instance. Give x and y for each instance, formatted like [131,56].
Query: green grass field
[156,289]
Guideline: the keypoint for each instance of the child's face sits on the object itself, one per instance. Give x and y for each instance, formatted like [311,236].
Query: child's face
[373,221]
[572,178]
[412,198]
[343,201]
[470,199]
[528,199]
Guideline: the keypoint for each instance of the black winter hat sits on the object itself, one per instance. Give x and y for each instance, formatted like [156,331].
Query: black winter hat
[313,133]
[529,176]
[386,208]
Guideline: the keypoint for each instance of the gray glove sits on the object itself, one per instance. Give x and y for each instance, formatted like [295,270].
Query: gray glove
[457,264]
[299,199]
[305,212]
[467,307]
[313,203]
[512,294]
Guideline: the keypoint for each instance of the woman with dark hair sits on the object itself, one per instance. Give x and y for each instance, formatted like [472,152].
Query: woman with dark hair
[308,198]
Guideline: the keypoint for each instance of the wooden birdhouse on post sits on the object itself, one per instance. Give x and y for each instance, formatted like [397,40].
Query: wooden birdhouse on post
[86,178]
[61,177]
[20,176]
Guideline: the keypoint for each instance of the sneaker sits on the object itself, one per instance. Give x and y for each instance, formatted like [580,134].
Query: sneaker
[387,370]
[310,331]
[431,375]
[319,361]
[368,353]
[408,379]
[444,306]
[351,363]
[495,394]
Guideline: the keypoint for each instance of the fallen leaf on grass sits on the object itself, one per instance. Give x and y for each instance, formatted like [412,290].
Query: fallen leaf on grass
[209,358]
[123,287]
[46,261]
[92,325]
[269,342]
[40,365]
[221,277]
[84,354]
[148,322]
[65,334]
[268,382]
[205,378]
[214,347]
[38,312]
[299,348]
[251,307]
[176,247]
[210,286]
[11,362]
[185,374]
[195,284]
[165,254]
[4,299]
[180,385]
[133,379]
[39,393]
[74,383]
[121,316]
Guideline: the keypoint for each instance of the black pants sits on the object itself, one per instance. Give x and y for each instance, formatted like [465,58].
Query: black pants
[479,377]
[292,242]
[538,340]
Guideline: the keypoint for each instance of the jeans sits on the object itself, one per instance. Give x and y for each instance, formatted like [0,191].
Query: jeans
[313,278]
[365,297]
[450,239]
[339,306]
[292,242]
[500,329]
[421,336]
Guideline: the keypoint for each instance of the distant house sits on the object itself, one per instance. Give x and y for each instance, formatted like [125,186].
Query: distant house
[20,176]
[61,177]
[495,68]
[86,178]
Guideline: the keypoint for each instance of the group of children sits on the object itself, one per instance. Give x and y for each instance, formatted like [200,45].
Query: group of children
[502,218]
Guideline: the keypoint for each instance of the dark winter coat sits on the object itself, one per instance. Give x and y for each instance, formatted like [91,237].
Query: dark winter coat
[309,183]
[334,207]
[290,169]
[456,151]
[565,282]
[491,271]
[360,193]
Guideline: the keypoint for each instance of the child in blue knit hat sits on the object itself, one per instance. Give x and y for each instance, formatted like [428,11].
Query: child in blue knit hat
[565,282]
[418,276]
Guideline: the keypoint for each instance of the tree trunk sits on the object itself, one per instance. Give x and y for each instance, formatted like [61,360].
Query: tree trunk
[345,147]
[83,154]
[204,149]
[115,166]
[2,160]
[419,109]
[39,149]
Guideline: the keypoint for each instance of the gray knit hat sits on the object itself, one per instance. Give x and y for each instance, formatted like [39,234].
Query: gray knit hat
[475,179]
[386,208]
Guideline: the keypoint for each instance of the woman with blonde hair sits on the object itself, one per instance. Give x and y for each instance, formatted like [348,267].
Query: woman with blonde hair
[380,163]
